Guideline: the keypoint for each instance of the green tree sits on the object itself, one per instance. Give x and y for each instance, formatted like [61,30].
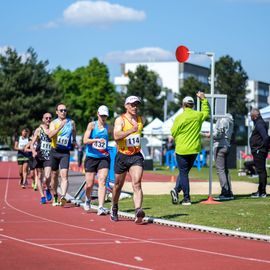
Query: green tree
[27,90]
[191,86]
[231,79]
[84,90]
[144,83]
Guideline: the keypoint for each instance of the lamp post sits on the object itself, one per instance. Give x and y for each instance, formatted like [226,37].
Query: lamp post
[182,54]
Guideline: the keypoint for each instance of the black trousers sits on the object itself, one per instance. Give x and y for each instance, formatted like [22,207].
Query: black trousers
[260,164]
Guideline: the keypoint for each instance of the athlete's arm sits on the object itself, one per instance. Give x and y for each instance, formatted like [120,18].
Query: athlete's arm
[16,145]
[34,139]
[74,133]
[53,131]
[87,134]
[118,132]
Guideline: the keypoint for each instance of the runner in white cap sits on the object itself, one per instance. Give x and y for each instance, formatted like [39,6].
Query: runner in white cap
[97,158]
[127,134]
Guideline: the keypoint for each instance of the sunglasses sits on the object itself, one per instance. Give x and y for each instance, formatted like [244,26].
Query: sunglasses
[48,118]
[62,110]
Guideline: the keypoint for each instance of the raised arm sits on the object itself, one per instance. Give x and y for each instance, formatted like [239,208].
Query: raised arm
[118,132]
[53,131]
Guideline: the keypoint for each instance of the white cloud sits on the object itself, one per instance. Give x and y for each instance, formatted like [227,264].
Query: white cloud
[24,56]
[140,55]
[99,12]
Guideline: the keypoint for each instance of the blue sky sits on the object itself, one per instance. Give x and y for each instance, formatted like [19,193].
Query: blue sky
[69,33]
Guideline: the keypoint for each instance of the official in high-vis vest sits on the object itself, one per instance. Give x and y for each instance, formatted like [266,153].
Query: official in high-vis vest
[127,134]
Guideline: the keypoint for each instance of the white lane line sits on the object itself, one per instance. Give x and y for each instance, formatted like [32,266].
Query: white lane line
[92,243]
[75,253]
[136,239]
[138,258]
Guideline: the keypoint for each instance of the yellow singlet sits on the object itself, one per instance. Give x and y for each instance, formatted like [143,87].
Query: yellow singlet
[132,143]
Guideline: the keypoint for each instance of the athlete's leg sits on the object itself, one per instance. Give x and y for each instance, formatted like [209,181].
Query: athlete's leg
[136,173]
[102,176]
[89,179]
[119,182]
[64,181]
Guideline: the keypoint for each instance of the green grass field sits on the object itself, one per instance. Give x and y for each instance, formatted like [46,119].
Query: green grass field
[242,214]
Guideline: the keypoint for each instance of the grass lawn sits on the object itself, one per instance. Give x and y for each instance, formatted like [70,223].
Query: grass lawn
[242,214]
[203,174]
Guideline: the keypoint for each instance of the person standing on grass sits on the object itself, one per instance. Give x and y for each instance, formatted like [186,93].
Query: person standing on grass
[97,161]
[259,146]
[186,131]
[127,134]
[41,148]
[63,135]
[222,142]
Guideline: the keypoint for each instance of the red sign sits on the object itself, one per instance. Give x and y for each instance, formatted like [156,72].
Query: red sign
[182,54]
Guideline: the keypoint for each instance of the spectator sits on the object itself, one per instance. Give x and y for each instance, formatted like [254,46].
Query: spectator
[222,141]
[259,145]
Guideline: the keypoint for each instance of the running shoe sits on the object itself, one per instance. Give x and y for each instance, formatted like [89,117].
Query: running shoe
[114,213]
[23,186]
[186,202]
[258,195]
[63,201]
[87,205]
[174,196]
[48,195]
[139,215]
[43,200]
[102,211]
[55,201]
[222,197]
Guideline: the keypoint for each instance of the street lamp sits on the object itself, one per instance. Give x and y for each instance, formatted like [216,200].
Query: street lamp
[182,54]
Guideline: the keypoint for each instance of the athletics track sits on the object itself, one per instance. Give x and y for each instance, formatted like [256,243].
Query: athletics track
[34,236]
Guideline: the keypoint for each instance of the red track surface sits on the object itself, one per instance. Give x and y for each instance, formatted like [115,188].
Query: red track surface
[34,236]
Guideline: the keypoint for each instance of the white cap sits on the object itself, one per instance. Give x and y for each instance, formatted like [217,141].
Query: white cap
[103,110]
[188,100]
[132,99]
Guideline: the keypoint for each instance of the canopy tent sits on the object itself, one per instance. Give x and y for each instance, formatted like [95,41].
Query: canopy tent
[153,128]
[166,128]
[265,113]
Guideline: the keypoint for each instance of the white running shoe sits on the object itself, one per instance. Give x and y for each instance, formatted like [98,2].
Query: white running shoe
[87,206]
[102,211]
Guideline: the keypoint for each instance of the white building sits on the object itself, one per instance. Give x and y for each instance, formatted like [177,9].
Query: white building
[258,94]
[172,74]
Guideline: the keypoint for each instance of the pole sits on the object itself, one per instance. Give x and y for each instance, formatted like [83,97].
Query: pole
[212,56]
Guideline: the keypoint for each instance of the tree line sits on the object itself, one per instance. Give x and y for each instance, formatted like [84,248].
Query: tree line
[28,89]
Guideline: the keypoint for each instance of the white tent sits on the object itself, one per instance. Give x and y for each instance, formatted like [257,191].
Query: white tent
[265,112]
[153,128]
[166,128]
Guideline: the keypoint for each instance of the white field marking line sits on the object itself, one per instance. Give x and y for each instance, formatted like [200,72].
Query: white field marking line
[74,239]
[92,243]
[74,253]
[25,221]
[136,239]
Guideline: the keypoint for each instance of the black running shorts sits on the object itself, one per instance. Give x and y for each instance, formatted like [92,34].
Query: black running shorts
[59,158]
[95,164]
[124,162]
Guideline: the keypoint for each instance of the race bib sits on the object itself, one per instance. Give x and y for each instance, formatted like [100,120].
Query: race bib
[99,145]
[133,140]
[61,140]
[21,145]
[46,146]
